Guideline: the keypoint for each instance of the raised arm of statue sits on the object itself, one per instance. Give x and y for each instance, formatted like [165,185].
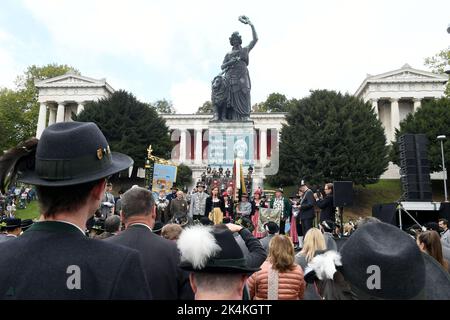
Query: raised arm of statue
[254,35]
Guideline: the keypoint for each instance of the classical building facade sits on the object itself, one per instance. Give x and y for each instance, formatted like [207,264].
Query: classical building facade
[397,93]
[393,95]
[62,96]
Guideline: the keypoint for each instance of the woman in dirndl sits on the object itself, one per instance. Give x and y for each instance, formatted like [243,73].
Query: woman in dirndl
[257,203]
[213,205]
[227,206]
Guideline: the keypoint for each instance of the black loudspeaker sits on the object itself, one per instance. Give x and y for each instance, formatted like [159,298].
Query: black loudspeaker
[385,212]
[444,210]
[415,167]
[343,193]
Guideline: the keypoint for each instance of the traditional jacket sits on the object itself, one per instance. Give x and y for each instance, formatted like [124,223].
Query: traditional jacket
[246,208]
[177,207]
[198,204]
[286,207]
[55,260]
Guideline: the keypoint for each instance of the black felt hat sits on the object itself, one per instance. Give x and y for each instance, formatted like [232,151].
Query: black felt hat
[211,250]
[11,223]
[70,153]
[26,224]
[271,227]
[405,273]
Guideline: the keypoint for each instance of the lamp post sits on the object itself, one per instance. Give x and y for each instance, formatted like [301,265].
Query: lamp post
[444,170]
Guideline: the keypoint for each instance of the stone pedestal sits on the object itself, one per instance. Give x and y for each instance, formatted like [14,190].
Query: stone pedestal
[231,139]
[228,140]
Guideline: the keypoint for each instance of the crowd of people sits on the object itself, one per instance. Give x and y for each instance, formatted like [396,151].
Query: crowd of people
[201,246]
[17,197]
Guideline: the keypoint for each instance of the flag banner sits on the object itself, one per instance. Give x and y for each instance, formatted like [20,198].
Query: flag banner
[237,178]
[164,177]
[242,179]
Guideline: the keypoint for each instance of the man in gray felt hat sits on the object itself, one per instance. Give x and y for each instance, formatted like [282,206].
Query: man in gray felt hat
[54,259]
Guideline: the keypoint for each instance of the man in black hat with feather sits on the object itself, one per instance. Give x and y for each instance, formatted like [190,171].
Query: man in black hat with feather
[217,266]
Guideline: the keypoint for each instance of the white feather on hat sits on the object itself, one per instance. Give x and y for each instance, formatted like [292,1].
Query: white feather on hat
[325,264]
[197,244]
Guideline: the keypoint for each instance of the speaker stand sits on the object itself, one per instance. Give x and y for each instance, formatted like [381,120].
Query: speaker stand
[400,208]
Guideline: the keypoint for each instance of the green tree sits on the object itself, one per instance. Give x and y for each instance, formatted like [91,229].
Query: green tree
[275,102]
[184,176]
[15,124]
[432,119]
[130,126]
[205,108]
[330,136]
[19,108]
[440,63]
[164,106]
[258,107]
[36,73]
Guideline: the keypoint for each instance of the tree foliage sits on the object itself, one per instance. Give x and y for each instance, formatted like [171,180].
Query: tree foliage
[275,102]
[184,176]
[19,108]
[130,126]
[431,119]
[331,137]
[164,106]
[205,108]
[440,63]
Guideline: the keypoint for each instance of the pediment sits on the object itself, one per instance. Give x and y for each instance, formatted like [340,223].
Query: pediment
[70,80]
[403,75]
[408,74]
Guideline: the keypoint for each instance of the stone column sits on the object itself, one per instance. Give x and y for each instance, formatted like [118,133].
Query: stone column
[375,107]
[80,107]
[263,146]
[395,118]
[61,112]
[41,120]
[417,104]
[52,116]
[198,146]
[183,145]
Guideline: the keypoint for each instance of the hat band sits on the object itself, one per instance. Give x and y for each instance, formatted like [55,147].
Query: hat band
[71,168]
[242,263]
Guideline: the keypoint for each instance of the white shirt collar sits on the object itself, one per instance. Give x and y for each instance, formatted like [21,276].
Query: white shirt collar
[140,224]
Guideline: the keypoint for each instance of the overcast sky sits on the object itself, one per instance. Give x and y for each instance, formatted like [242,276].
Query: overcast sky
[173,49]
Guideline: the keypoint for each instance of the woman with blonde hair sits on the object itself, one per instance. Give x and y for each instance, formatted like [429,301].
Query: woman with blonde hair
[314,241]
[280,278]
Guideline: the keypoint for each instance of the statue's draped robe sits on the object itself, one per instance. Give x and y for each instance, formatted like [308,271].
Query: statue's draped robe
[239,82]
